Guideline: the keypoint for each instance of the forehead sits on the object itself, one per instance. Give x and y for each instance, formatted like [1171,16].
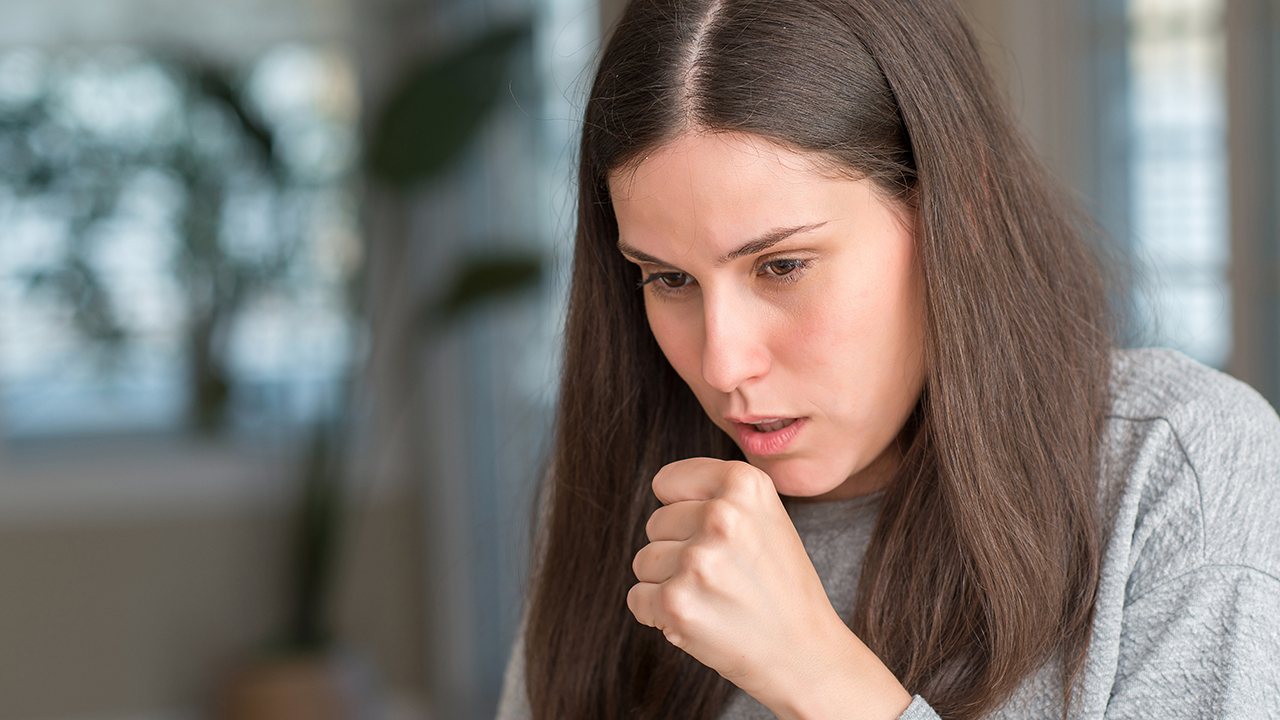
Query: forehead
[719,189]
[721,158]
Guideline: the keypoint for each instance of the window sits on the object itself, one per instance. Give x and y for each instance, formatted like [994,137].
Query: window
[1178,190]
[178,241]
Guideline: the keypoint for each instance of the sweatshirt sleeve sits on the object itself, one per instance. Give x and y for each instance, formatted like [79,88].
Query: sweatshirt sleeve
[1203,645]
[1199,617]
[918,710]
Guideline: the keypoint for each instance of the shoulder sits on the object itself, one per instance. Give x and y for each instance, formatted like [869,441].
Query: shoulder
[1191,467]
[1190,575]
[1165,384]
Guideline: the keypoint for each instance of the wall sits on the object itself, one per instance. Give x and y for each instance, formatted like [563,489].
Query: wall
[143,617]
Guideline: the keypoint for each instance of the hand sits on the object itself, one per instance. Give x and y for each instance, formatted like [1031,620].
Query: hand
[726,578]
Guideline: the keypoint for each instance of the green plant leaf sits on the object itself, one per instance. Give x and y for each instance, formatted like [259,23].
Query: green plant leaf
[429,119]
[481,279]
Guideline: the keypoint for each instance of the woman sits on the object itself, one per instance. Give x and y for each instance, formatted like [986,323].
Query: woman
[842,428]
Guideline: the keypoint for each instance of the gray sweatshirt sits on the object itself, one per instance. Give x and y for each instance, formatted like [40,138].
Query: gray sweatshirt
[1187,623]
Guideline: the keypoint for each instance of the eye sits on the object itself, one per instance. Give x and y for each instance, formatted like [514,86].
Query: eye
[668,281]
[779,268]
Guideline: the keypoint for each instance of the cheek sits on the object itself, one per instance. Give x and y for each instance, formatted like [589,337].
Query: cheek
[859,340]
[828,333]
[680,342]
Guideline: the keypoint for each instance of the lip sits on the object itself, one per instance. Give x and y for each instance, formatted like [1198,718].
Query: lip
[765,444]
[746,419]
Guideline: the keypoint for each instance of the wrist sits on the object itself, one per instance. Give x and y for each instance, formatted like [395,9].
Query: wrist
[840,679]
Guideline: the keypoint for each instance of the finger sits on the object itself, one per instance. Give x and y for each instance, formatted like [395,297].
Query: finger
[677,521]
[692,479]
[645,603]
[642,600]
[657,562]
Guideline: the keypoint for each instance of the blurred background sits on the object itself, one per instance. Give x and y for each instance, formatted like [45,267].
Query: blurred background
[281,283]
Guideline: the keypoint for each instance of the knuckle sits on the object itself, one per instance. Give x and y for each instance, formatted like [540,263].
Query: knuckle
[674,637]
[739,476]
[721,519]
[673,603]
[700,564]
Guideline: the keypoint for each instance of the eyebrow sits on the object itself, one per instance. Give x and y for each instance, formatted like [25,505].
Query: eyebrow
[759,245]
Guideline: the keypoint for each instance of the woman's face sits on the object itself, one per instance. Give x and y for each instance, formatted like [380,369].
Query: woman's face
[787,298]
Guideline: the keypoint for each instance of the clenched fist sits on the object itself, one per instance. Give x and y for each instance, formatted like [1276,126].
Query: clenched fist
[726,579]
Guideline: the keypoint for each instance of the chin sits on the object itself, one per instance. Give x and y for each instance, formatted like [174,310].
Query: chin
[797,479]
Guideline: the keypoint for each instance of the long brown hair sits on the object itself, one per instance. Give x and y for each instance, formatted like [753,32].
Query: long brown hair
[984,561]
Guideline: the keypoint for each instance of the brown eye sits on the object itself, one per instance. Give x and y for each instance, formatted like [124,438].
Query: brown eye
[673,280]
[778,268]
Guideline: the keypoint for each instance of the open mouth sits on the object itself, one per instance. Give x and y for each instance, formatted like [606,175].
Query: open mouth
[771,425]
[768,436]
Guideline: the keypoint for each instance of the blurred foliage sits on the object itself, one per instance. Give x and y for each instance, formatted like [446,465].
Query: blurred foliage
[218,283]
[481,279]
[219,141]
[422,131]
[41,157]
[433,114]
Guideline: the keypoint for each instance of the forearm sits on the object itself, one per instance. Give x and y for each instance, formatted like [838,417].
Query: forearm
[835,676]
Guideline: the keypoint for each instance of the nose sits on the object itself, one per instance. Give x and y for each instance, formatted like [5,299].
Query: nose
[734,348]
